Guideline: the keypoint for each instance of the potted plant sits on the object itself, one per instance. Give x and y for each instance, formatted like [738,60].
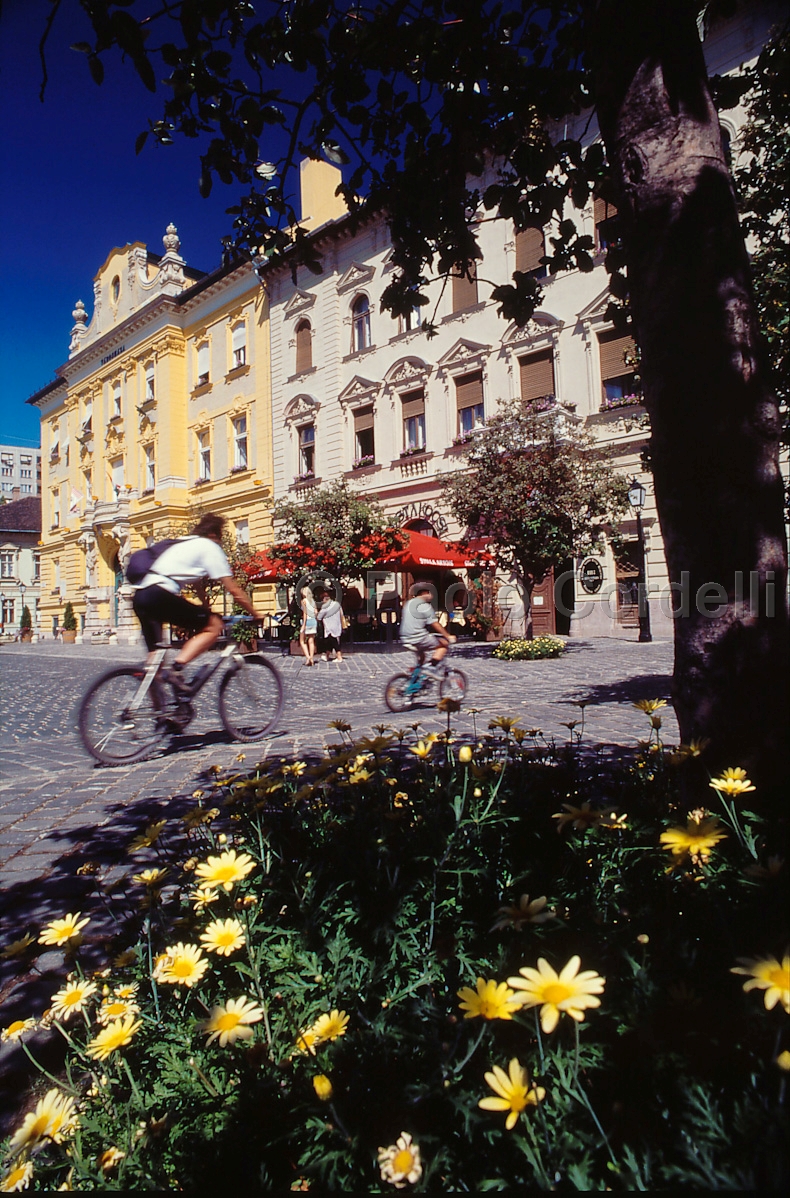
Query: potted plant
[245,636]
[69,624]
[26,625]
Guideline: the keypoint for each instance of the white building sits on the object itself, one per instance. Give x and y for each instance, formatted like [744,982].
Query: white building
[20,562]
[20,470]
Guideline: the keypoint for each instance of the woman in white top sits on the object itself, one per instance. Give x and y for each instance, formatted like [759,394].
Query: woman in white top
[309,628]
[330,614]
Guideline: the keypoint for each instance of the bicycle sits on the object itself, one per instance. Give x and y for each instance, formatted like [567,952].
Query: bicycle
[129,711]
[402,690]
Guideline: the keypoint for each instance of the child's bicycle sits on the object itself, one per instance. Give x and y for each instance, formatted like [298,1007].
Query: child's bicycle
[426,683]
[129,711]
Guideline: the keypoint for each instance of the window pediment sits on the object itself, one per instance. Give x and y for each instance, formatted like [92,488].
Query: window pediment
[300,301]
[358,391]
[407,373]
[464,354]
[302,407]
[357,276]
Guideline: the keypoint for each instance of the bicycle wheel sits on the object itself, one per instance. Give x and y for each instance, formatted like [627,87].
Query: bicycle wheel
[109,728]
[453,685]
[395,693]
[250,699]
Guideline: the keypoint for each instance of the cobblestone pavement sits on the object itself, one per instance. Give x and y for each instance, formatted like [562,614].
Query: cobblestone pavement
[59,810]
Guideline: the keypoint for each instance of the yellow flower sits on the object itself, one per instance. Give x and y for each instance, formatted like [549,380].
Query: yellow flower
[323,1087]
[577,817]
[226,870]
[506,723]
[733,782]
[147,838]
[127,957]
[465,754]
[231,1022]
[568,992]
[150,877]
[71,999]
[116,1008]
[648,706]
[17,1029]
[201,896]
[128,990]
[329,1027]
[490,1001]
[184,965]
[422,749]
[223,937]
[783,1061]
[306,1041]
[526,912]
[54,1118]
[400,1162]
[110,1158]
[765,973]
[200,815]
[17,947]
[513,1092]
[116,1035]
[696,840]
[64,931]
[339,726]
[448,705]
[695,748]
[17,1179]
[296,768]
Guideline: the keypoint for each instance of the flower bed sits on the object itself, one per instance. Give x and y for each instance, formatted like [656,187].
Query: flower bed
[420,963]
[519,649]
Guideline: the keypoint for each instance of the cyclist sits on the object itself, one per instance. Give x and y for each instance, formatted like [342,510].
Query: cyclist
[420,629]
[158,599]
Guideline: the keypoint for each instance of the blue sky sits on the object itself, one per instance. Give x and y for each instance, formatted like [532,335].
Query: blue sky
[71,189]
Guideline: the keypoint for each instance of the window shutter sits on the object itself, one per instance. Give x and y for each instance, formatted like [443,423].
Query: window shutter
[202,360]
[413,404]
[529,249]
[537,375]
[465,291]
[363,419]
[469,390]
[304,347]
[613,346]
[603,210]
[239,336]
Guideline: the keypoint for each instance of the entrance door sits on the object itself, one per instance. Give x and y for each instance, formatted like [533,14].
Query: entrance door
[627,574]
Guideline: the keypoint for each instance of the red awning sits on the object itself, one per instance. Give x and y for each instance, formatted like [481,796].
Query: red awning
[430,552]
[267,570]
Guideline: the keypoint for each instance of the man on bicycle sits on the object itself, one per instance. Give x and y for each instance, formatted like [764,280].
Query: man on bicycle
[158,599]
[420,629]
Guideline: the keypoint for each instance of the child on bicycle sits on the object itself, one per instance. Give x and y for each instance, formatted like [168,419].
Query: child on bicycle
[420,629]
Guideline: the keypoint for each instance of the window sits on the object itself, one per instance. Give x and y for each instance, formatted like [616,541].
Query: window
[202,364]
[304,346]
[607,224]
[87,478]
[239,344]
[150,467]
[26,488]
[116,398]
[8,488]
[529,251]
[204,456]
[25,459]
[240,443]
[307,450]
[7,471]
[116,474]
[469,402]
[411,320]
[465,290]
[87,418]
[363,437]
[360,318]
[150,387]
[8,611]
[115,289]
[56,508]
[36,567]
[54,449]
[242,529]
[7,564]
[56,570]
[617,377]
[413,412]
[537,375]
[7,459]
[25,473]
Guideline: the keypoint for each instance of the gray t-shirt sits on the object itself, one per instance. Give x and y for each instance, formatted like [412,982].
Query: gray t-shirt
[418,615]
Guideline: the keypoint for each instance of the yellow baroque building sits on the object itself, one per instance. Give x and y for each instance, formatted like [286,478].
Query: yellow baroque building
[161,412]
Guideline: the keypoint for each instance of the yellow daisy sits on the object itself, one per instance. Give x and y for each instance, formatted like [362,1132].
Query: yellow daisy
[201,896]
[733,782]
[150,877]
[323,1087]
[116,1008]
[184,965]
[110,1158]
[127,957]
[231,1022]
[225,870]
[513,1092]
[223,937]
[17,1179]
[765,973]
[330,1027]
[489,1001]
[17,947]
[71,999]
[696,840]
[54,1118]
[17,1029]
[568,992]
[116,1035]
[147,838]
[400,1162]
[200,815]
[578,817]
[526,912]
[306,1041]
[422,749]
[128,990]
[64,931]
[649,706]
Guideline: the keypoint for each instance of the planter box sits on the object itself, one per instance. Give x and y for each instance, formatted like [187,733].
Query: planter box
[68,636]
[296,649]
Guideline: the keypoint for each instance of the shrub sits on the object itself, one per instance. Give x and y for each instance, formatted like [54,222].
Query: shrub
[25,620]
[69,619]
[518,649]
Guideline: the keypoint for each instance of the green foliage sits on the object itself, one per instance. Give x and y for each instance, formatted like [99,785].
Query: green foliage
[384,881]
[517,649]
[26,620]
[69,619]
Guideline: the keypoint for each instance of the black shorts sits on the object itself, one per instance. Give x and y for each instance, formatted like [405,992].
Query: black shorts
[155,606]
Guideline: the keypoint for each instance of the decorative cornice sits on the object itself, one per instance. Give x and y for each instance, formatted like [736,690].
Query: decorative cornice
[463,355]
[357,275]
[358,391]
[300,301]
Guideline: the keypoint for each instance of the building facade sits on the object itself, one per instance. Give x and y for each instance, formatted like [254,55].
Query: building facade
[20,562]
[20,467]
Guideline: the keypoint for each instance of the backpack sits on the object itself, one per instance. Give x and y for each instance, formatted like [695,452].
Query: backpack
[142,560]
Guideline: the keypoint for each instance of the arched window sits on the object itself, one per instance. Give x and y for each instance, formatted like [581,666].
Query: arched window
[360,318]
[304,346]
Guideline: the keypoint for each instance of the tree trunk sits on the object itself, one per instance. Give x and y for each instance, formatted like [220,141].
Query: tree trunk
[715,422]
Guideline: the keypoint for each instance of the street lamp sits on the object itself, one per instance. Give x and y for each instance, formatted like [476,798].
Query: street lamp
[636,498]
[2,610]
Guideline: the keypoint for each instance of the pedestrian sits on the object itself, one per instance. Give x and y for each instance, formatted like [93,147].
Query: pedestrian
[331,616]
[309,628]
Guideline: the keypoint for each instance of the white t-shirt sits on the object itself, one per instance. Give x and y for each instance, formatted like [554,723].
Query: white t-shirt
[190,559]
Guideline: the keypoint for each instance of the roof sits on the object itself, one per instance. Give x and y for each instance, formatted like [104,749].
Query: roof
[21,515]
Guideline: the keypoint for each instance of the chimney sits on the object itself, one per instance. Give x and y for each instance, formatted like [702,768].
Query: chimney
[318,182]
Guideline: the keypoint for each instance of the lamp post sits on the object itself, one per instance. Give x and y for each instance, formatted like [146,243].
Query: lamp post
[636,498]
[2,611]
